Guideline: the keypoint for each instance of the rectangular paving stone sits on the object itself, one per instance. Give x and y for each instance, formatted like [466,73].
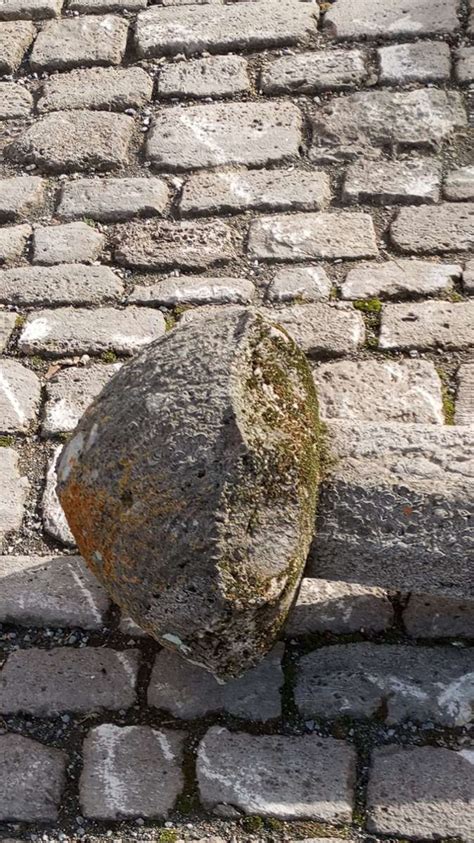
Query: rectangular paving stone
[30,9]
[244,26]
[98,6]
[52,514]
[468,277]
[414,180]
[13,494]
[464,66]
[340,608]
[19,195]
[131,771]
[63,284]
[20,396]
[112,199]
[400,277]
[194,289]
[216,76]
[333,70]
[465,394]
[321,329]
[459,184]
[422,61]
[302,283]
[277,776]
[50,591]
[69,394]
[432,616]
[307,236]
[231,191]
[421,792]
[106,88]
[7,323]
[446,228]
[13,240]
[15,38]
[32,779]
[65,331]
[75,242]
[425,325]
[253,134]
[16,101]
[391,18]
[80,41]
[66,679]
[157,245]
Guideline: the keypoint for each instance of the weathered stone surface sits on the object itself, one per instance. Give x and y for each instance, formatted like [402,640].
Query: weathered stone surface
[157,245]
[129,627]
[397,492]
[446,228]
[66,141]
[83,41]
[428,616]
[65,284]
[20,395]
[391,18]
[246,26]
[464,67]
[406,683]
[32,778]
[30,9]
[194,289]
[422,61]
[7,323]
[305,283]
[339,607]
[15,101]
[434,324]
[187,691]
[216,76]
[465,394]
[459,184]
[321,329]
[15,488]
[468,277]
[75,242]
[303,237]
[377,390]
[131,771]
[70,393]
[207,136]
[390,182]
[399,277]
[421,792]
[113,200]
[317,71]
[57,333]
[277,776]
[15,38]
[19,195]
[231,191]
[65,679]
[13,241]
[107,88]
[98,6]
[54,520]
[207,577]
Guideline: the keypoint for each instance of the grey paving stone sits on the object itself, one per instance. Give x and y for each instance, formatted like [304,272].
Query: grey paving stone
[391,182]
[391,18]
[66,679]
[317,71]
[424,325]
[373,390]
[64,284]
[402,682]
[277,776]
[468,277]
[194,289]
[13,240]
[303,237]
[75,242]
[422,61]
[69,394]
[464,66]
[55,591]
[459,184]
[206,135]
[20,396]
[244,26]
[446,228]
[187,691]
[421,792]
[30,9]
[54,519]
[107,88]
[66,141]
[465,394]
[14,491]
[229,191]
[15,38]
[32,779]
[321,329]
[7,323]
[431,616]
[19,195]
[131,771]
[82,41]
[113,199]
[98,6]
[58,333]
[15,101]
[399,277]
[340,608]
[155,245]
[304,283]
[216,76]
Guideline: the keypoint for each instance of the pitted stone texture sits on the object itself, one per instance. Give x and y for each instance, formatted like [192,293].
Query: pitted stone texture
[391,182]
[391,18]
[69,395]
[421,792]
[15,38]
[406,683]
[72,243]
[32,779]
[113,200]
[378,390]
[277,776]
[194,289]
[321,329]
[157,245]
[66,679]
[98,6]
[14,491]
[15,101]
[216,76]
[397,491]
[66,141]
[13,242]
[304,283]
[64,284]
[423,61]
[246,133]
[425,325]
[459,184]
[80,42]
[399,277]
[340,608]
[465,394]
[245,26]
[54,520]
[320,71]
[57,333]
[229,191]
[143,762]
[217,461]
[351,125]
[106,88]
[19,195]
[446,228]
[428,616]
[187,691]
[308,236]
[7,323]
[20,395]
[29,9]
[46,591]
[464,67]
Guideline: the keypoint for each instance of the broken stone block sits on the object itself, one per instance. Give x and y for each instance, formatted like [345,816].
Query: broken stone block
[32,779]
[80,42]
[100,88]
[306,236]
[230,506]
[20,395]
[158,245]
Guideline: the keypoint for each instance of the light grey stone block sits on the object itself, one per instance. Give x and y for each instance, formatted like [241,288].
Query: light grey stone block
[425,325]
[63,284]
[74,242]
[161,245]
[432,616]
[399,277]
[317,71]
[391,182]
[32,779]
[16,101]
[194,289]
[340,608]
[464,66]
[7,323]
[20,396]
[303,237]
[304,283]
[19,195]
[391,18]
[459,184]
[106,88]
[13,240]
[465,394]
[100,6]
[29,9]
[321,329]
[432,231]
[468,277]
[80,42]
[113,199]
[216,76]
[54,520]
[15,38]
[14,491]
[422,61]
[69,394]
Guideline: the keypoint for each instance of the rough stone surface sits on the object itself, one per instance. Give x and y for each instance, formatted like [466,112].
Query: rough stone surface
[69,395]
[284,777]
[340,608]
[15,488]
[399,277]
[391,182]
[113,200]
[75,242]
[146,764]
[15,101]
[64,284]
[428,616]
[80,42]
[106,88]
[194,289]
[464,67]
[97,6]
[465,394]
[20,195]
[15,38]
[20,394]
[216,76]
[32,778]
[297,238]
[391,18]
[30,9]
[424,325]
[13,241]
[54,520]
[423,61]
[226,361]
[306,283]
[321,329]
[459,184]
[307,72]
[446,228]
[7,323]
[157,245]
[468,277]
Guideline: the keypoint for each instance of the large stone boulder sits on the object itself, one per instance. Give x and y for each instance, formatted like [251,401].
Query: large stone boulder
[190,485]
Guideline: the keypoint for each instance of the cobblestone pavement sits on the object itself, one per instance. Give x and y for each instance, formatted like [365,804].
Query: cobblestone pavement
[316,162]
